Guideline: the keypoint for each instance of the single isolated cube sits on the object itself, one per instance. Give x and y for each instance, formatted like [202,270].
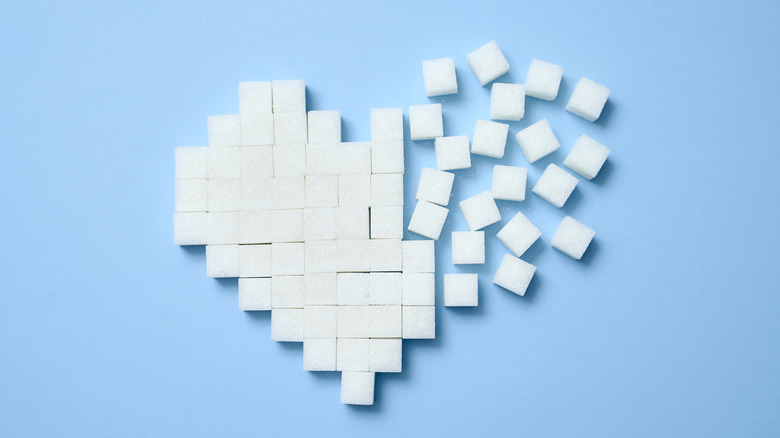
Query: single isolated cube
[468,247]
[572,238]
[543,80]
[419,256]
[224,130]
[387,222]
[352,355]
[319,355]
[254,294]
[487,63]
[190,228]
[586,157]
[507,101]
[287,291]
[439,77]
[509,183]
[419,322]
[489,138]
[287,325]
[514,274]
[222,261]
[357,388]
[519,234]
[387,124]
[192,162]
[425,121]
[324,126]
[290,128]
[537,141]
[452,152]
[387,156]
[588,99]
[428,219]
[289,96]
[461,290]
[435,186]
[254,97]
[555,185]
[419,289]
[385,354]
[480,211]
[386,288]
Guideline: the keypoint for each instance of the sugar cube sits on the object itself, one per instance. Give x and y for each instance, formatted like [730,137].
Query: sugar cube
[355,190]
[507,101]
[352,355]
[190,228]
[320,289]
[257,162]
[223,228]
[435,186]
[452,152]
[289,96]
[254,97]
[353,288]
[386,255]
[322,191]
[519,234]
[287,325]
[543,80]
[353,255]
[387,156]
[480,211]
[254,260]
[255,227]
[514,274]
[537,141]
[319,354]
[386,354]
[225,162]
[222,261]
[439,77]
[320,223]
[192,162]
[352,223]
[254,294]
[572,238]
[385,288]
[256,194]
[287,225]
[191,195]
[425,121]
[555,185]
[223,194]
[387,222]
[288,192]
[461,290]
[290,128]
[419,322]
[487,62]
[321,322]
[357,388]
[428,219]
[419,256]
[588,99]
[509,183]
[289,159]
[324,126]
[418,289]
[387,189]
[257,129]
[287,258]
[224,130]
[322,158]
[287,292]
[384,321]
[468,247]
[586,157]
[320,256]
[355,157]
[387,124]
[489,138]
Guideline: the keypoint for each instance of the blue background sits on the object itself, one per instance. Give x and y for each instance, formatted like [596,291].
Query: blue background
[668,326]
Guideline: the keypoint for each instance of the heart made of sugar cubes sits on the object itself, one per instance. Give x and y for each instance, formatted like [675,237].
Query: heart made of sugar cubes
[313,226]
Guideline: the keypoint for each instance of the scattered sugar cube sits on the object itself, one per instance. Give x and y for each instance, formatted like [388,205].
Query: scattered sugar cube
[287,292]
[352,223]
[425,121]
[386,254]
[386,354]
[387,124]
[387,156]
[287,225]
[586,157]
[489,138]
[257,129]
[192,162]
[290,128]
[224,162]
[254,260]
[223,194]
[543,80]
[418,289]
[287,325]
[419,322]
[255,227]
[384,321]
[287,258]
[288,192]
[352,355]
[480,211]
[355,190]
[387,222]
[320,256]
[324,126]
[468,247]
[439,77]
[509,183]
[435,186]
[419,256]
[452,152]
[319,223]
[461,290]
[507,101]
[514,274]
[224,130]
[289,159]
[355,157]
[319,354]
[257,162]
[537,141]
[519,234]
[357,388]
[289,96]
[190,228]
[322,158]
[354,255]
[353,288]
[254,97]
[487,63]
[322,191]
[320,289]
[223,228]
[385,288]
[222,261]
[254,294]
[321,322]
[588,99]
[387,189]
[191,195]
[256,194]
[555,185]
[572,238]
[428,219]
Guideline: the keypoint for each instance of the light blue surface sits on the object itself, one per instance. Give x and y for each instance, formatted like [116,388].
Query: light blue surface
[668,327]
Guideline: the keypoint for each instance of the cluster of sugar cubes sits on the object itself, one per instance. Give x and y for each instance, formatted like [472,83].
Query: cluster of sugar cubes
[312,227]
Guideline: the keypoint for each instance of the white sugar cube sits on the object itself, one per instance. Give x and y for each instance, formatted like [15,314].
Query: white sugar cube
[489,138]
[256,194]
[352,223]
[223,228]
[357,388]
[322,158]
[322,191]
[321,322]
[191,195]
[428,219]
[487,62]
[254,97]
[192,162]
[257,129]
[387,222]
[353,322]
[255,227]
[387,156]
[418,289]
[320,289]
[385,288]
[386,354]
[439,77]
[387,190]
[461,290]
[507,101]
[588,99]
[320,223]
[586,157]
[257,162]
[254,260]
[190,228]
[355,158]
[222,261]
[387,124]
[425,121]
[519,234]
[319,354]
[224,130]
[572,238]
[254,294]
[224,194]
[452,152]
[384,321]
[355,190]
[353,255]
[289,96]
[352,355]
[386,255]
[353,288]
[324,126]
[287,292]
[287,325]
[537,141]
[435,186]
[419,322]
[468,247]
[289,159]
[555,185]
[287,225]
[543,80]
[290,128]
[287,259]
[509,182]
[224,162]
[288,192]
[480,211]
[514,274]
[419,256]
[320,256]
